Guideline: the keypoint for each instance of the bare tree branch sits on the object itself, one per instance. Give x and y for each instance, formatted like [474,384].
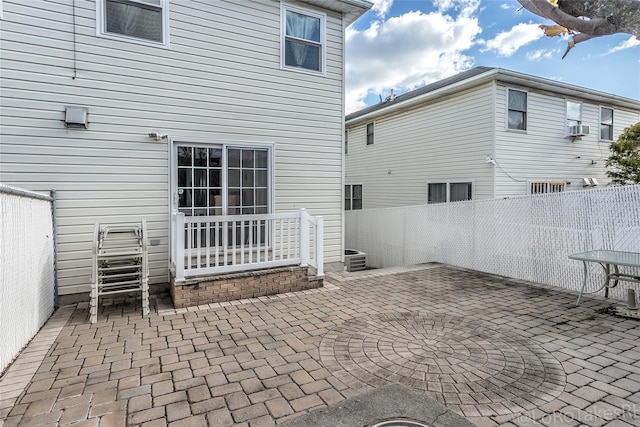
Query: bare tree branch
[587,19]
[594,26]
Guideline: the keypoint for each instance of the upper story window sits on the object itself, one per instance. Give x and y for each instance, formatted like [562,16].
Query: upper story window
[141,21]
[352,197]
[370,134]
[346,142]
[442,192]
[606,123]
[574,113]
[517,116]
[303,39]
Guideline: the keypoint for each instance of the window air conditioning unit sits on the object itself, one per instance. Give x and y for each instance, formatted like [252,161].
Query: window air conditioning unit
[577,130]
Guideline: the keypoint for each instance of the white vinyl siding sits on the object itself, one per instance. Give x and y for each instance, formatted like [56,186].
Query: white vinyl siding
[220,82]
[544,153]
[433,142]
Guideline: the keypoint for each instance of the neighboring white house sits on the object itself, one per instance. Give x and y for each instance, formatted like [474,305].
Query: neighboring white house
[134,109]
[484,133]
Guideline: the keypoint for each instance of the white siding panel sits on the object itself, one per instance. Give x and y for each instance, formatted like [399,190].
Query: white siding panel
[443,140]
[543,152]
[220,81]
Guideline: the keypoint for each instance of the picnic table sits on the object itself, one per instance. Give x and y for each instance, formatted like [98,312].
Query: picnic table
[611,261]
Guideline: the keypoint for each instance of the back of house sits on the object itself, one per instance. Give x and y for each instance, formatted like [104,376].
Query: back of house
[134,109]
[484,133]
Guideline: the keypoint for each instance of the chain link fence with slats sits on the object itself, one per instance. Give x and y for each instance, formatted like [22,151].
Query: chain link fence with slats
[527,237]
[27,283]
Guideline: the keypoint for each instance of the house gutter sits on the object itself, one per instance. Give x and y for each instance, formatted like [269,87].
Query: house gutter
[505,76]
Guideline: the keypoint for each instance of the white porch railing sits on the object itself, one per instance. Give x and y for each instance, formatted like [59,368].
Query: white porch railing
[205,245]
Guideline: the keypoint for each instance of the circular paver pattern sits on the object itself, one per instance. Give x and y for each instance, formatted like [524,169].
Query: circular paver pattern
[469,365]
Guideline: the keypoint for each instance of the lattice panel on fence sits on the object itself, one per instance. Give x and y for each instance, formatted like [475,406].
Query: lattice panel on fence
[26,270]
[527,237]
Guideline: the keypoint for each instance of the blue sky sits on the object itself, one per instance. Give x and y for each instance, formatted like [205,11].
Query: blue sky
[405,44]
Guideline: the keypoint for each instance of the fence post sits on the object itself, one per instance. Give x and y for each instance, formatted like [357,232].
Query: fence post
[179,246]
[304,237]
[319,249]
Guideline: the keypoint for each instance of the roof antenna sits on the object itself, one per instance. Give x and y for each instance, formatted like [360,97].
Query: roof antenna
[380,95]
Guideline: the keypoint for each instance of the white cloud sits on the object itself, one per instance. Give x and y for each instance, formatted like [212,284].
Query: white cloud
[505,6]
[507,43]
[381,7]
[630,42]
[539,54]
[408,51]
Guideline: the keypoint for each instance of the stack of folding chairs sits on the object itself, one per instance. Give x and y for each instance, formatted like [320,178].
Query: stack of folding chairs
[120,263]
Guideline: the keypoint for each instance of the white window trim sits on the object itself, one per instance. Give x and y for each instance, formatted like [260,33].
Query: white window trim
[613,112]
[526,113]
[448,182]
[366,133]
[284,7]
[351,184]
[101,27]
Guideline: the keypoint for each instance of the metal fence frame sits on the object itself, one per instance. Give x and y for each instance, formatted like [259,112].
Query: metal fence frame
[528,237]
[27,268]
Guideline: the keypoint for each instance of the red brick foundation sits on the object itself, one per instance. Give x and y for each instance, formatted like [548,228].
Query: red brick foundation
[251,284]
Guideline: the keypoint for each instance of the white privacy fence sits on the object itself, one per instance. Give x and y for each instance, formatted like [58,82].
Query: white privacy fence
[526,237]
[205,245]
[27,284]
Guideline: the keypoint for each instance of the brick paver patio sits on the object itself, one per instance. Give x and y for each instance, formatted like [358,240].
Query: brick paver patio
[496,350]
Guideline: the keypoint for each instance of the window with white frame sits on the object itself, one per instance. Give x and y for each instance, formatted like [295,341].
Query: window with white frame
[303,39]
[352,197]
[370,133]
[450,191]
[142,21]
[543,187]
[606,123]
[517,110]
[223,180]
[346,142]
[574,113]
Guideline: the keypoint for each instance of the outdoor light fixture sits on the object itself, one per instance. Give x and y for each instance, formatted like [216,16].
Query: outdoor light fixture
[76,117]
[158,135]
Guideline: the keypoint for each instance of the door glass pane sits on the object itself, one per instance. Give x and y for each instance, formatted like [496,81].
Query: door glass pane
[184,156]
[200,177]
[215,157]
[261,178]
[247,159]
[261,159]
[200,157]
[233,158]
[247,178]
[234,178]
